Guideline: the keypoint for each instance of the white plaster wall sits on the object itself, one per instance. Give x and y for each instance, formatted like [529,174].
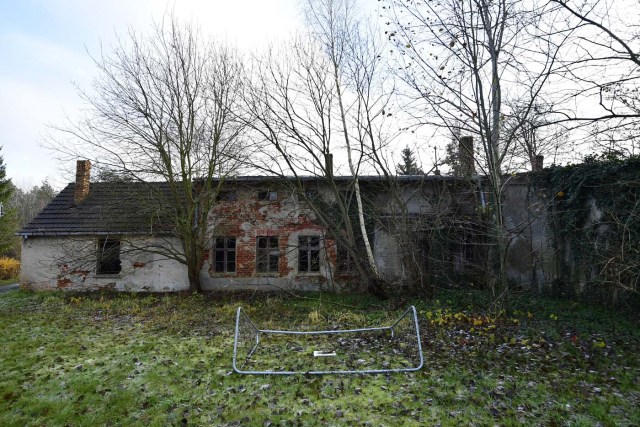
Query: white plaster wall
[69,263]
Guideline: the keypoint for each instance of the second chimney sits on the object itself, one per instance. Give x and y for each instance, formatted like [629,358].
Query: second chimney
[328,165]
[465,153]
[83,174]
[538,163]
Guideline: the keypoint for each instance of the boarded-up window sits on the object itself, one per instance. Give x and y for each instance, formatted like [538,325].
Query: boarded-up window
[267,254]
[308,254]
[224,254]
[108,257]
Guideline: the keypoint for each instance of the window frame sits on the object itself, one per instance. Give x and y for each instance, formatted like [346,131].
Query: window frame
[108,260]
[268,195]
[266,255]
[309,254]
[225,250]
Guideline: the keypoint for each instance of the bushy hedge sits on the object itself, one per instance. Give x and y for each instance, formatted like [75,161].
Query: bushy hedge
[9,268]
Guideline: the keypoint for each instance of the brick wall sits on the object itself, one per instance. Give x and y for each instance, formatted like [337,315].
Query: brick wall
[248,217]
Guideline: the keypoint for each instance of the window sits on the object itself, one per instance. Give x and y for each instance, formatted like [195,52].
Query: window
[226,196]
[345,263]
[308,254]
[267,254]
[311,194]
[268,195]
[224,254]
[108,257]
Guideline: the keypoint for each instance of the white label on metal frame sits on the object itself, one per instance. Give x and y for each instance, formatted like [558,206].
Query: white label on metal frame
[320,353]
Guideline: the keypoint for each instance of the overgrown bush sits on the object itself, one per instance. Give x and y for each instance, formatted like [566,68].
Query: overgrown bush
[9,268]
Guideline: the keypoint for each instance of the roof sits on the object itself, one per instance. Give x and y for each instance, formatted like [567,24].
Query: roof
[361,178]
[110,208]
[118,207]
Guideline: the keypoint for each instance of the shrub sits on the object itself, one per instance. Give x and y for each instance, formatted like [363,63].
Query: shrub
[9,268]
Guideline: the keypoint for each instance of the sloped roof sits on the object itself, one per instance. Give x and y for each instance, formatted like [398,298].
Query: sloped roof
[110,208]
[137,208]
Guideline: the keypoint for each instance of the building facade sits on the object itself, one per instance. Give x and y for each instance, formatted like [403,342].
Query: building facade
[272,233]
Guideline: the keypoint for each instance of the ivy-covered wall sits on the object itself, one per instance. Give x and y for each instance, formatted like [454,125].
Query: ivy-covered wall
[593,226]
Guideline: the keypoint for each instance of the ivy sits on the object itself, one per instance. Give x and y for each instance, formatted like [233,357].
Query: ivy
[595,211]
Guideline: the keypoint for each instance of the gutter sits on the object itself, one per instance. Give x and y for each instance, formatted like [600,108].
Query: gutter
[87,233]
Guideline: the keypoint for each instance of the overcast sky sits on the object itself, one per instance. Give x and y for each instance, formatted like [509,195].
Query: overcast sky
[44,45]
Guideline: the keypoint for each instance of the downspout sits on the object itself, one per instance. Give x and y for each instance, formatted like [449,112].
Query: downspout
[483,202]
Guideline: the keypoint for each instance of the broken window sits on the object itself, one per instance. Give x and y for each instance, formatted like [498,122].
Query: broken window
[311,194]
[308,254]
[108,257]
[268,195]
[267,254]
[224,254]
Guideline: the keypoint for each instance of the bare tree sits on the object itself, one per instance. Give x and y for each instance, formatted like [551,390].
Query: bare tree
[324,100]
[336,29]
[163,108]
[535,134]
[602,76]
[466,61]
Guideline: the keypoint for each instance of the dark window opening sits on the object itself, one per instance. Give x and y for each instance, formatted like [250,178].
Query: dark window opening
[226,196]
[268,195]
[224,255]
[267,254]
[308,254]
[345,262]
[463,252]
[108,257]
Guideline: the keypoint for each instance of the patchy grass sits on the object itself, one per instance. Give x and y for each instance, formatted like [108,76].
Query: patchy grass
[10,281]
[166,360]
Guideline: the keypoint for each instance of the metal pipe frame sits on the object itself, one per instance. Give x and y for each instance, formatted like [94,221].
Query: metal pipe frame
[411,310]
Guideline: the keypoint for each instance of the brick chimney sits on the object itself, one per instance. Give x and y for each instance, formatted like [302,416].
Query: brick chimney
[538,163]
[465,152]
[83,174]
[328,164]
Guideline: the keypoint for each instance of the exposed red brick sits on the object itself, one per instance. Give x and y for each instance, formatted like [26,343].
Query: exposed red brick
[247,218]
[63,282]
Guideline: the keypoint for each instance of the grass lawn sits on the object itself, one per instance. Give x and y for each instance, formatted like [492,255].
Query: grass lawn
[70,359]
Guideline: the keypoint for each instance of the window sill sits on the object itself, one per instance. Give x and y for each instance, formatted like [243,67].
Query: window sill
[345,273]
[269,274]
[107,276]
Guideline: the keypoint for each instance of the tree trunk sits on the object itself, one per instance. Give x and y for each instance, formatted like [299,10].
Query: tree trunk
[195,285]
[354,173]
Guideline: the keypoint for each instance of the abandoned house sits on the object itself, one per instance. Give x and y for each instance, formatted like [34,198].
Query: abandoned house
[263,234]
